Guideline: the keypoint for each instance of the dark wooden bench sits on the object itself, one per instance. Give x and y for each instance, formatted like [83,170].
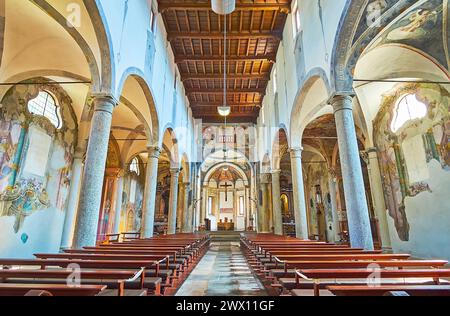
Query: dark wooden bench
[412,290]
[321,278]
[119,282]
[54,289]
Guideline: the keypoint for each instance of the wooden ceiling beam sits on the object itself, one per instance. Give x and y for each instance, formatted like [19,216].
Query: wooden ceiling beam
[276,35]
[206,6]
[230,120]
[216,114]
[232,104]
[182,58]
[229,91]
[185,77]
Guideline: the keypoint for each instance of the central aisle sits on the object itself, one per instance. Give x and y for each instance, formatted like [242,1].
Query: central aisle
[223,271]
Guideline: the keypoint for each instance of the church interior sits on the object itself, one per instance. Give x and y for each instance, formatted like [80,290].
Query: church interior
[224,148]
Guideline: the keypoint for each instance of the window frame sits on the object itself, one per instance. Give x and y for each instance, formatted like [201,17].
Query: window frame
[296,21]
[396,109]
[210,205]
[241,205]
[135,162]
[275,80]
[35,107]
[152,20]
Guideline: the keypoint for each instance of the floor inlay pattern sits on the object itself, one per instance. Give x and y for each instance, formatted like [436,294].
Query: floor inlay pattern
[223,271]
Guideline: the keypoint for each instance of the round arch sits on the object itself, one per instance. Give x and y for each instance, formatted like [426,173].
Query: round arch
[153,123]
[214,168]
[310,100]
[169,143]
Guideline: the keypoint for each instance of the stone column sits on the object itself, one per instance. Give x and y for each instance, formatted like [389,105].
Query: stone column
[379,202]
[94,171]
[198,203]
[72,203]
[204,208]
[118,204]
[180,205]
[334,207]
[301,218]
[276,202]
[187,219]
[263,216]
[173,201]
[355,197]
[247,206]
[149,202]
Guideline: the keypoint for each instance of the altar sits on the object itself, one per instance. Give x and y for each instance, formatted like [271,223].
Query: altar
[225,225]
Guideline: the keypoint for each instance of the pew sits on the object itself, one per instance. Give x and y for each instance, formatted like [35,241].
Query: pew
[321,278]
[119,282]
[311,267]
[412,290]
[53,289]
[126,268]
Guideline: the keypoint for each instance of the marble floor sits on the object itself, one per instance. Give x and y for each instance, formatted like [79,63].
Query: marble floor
[223,271]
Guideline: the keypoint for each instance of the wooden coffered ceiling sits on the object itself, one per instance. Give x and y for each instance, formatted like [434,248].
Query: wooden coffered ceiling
[196,33]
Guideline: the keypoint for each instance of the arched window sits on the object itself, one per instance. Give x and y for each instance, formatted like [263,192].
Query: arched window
[134,166]
[408,109]
[44,104]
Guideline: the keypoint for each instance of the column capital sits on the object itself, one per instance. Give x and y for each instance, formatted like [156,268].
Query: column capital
[79,154]
[266,178]
[175,172]
[342,101]
[185,184]
[332,173]
[104,102]
[275,171]
[296,152]
[154,152]
[114,172]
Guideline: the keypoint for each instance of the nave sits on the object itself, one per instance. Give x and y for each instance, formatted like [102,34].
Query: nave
[223,271]
[136,135]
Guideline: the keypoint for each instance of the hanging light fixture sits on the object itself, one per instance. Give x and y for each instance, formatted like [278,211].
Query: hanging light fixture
[223,6]
[224,110]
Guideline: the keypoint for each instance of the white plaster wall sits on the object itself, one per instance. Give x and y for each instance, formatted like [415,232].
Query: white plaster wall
[44,229]
[129,45]
[429,219]
[319,34]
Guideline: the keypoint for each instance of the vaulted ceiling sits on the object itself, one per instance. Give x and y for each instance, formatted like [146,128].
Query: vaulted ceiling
[196,35]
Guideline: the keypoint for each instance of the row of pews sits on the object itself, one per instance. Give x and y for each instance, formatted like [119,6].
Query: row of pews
[137,267]
[291,267]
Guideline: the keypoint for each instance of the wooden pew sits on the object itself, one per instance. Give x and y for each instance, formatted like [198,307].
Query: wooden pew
[320,278]
[54,289]
[361,264]
[412,290]
[119,282]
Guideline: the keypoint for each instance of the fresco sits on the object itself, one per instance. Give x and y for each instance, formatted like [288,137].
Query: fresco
[423,28]
[10,136]
[416,24]
[23,193]
[434,130]
[132,202]
[22,200]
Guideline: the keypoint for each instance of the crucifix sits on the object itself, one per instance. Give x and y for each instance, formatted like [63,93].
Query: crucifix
[226,186]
